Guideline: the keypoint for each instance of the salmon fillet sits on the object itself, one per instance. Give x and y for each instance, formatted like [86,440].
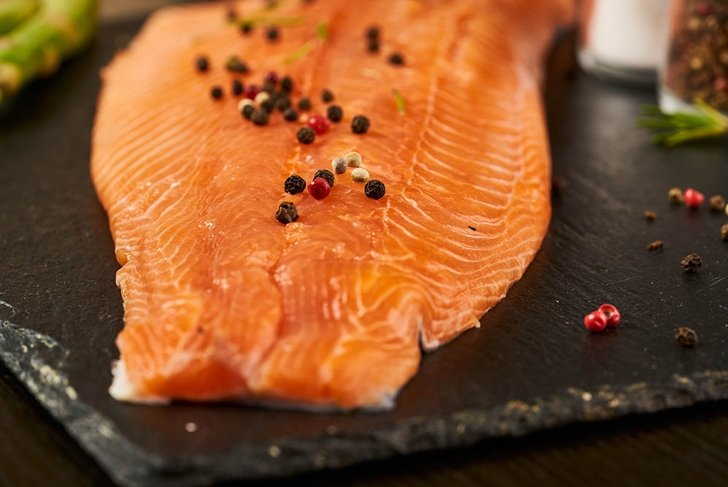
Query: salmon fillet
[221,301]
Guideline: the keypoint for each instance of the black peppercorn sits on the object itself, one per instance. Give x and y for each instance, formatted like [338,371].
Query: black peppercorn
[360,124]
[246,28]
[287,213]
[373,45]
[235,65]
[287,84]
[325,174]
[269,87]
[260,117]
[272,34]
[335,113]
[306,135]
[327,96]
[304,104]
[374,189]
[290,114]
[691,262]
[396,59]
[372,32]
[267,106]
[248,111]
[202,64]
[282,103]
[216,92]
[237,87]
[294,184]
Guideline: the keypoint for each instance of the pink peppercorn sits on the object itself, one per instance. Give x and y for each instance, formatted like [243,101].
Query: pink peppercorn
[319,124]
[693,198]
[319,188]
[252,91]
[596,321]
[612,314]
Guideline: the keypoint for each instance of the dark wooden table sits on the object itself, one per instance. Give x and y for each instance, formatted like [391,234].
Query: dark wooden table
[686,447]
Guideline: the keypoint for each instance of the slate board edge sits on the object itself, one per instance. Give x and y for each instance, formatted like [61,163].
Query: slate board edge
[37,361]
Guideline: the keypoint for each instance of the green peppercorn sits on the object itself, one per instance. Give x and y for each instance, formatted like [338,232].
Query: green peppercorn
[306,135]
[294,184]
[267,105]
[282,102]
[290,114]
[246,28]
[327,96]
[260,117]
[374,189]
[287,213]
[325,174]
[269,87]
[335,113]
[360,124]
[304,104]
[235,65]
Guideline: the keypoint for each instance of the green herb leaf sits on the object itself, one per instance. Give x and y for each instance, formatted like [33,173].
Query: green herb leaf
[398,101]
[270,21]
[322,31]
[671,129]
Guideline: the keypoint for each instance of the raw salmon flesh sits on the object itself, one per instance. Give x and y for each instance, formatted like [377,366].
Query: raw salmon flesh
[224,302]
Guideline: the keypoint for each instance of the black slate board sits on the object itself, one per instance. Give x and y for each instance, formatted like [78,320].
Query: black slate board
[531,366]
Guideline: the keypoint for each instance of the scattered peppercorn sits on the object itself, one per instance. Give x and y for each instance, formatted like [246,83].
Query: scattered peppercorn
[294,184]
[287,84]
[327,96]
[248,111]
[686,337]
[614,317]
[396,59]
[335,113]
[717,203]
[290,115]
[596,321]
[261,97]
[724,232]
[353,159]
[282,103]
[235,65]
[693,198]
[675,196]
[359,175]
[472,228]
[246,28]
[325,174]
[287,213]
[269,87]
[373,45]
[319,124]
[252,91]
[339,165]
[260,117]
[306,135]
[374,189]
[650,215]
[656,245]
[372,32]
[267,105]
[216,92]
[272,77]
[319,188]
[304,104]
[360,124]
[202,64]
[691,263]
[272,34]
[237,87]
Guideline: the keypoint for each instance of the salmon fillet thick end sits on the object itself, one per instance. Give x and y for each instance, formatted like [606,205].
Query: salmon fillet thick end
[221,301]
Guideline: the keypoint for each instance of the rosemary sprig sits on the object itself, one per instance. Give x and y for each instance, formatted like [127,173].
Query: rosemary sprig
[671,129]
[322,35]
[398,101]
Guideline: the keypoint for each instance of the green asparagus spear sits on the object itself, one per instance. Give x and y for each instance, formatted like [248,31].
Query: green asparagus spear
[38,45]
[13,12]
